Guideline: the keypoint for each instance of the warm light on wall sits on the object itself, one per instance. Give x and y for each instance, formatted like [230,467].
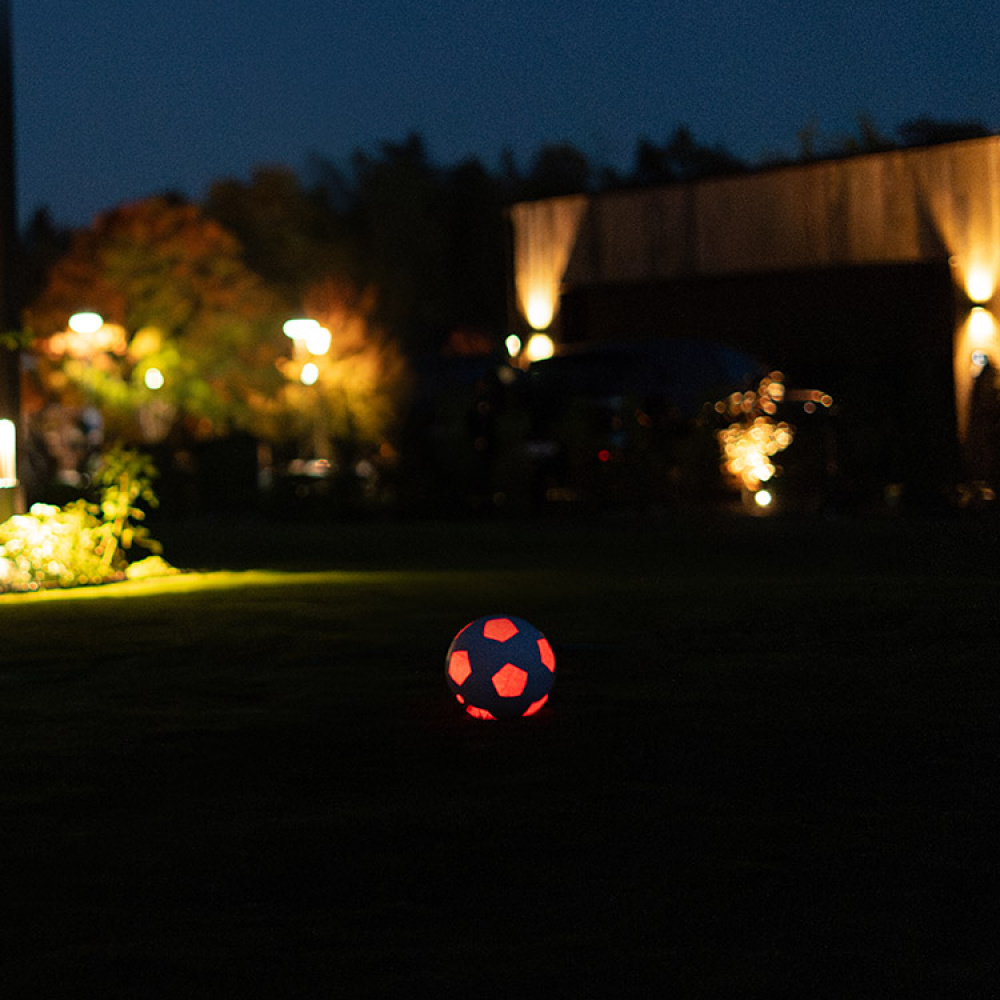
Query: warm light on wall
[977,340]
[8,455]
[540,308]
[544,235]
[980,284]
[982,327]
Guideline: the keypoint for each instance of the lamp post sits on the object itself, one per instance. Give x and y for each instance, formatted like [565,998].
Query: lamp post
[311,344]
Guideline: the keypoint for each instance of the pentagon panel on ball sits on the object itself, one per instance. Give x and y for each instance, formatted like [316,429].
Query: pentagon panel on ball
[500,667]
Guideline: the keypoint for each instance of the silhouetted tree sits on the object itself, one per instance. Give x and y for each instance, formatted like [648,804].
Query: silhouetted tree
[399,219]
[557,169]
[681,158]
[869,139]
[925,131]
[42,244]
[476,248]
[291,236]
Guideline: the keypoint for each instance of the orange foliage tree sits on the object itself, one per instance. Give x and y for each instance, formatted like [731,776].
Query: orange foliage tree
[360,383]
[176,285]
[177,295]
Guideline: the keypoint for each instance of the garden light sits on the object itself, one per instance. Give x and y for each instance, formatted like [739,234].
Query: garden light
[86,322]
[8,455]
[299,329]
[500,667]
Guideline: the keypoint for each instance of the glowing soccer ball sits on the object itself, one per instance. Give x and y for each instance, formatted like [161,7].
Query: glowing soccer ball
[500,667]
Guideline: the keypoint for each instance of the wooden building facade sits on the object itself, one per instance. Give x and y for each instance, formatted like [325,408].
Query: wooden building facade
[874,277]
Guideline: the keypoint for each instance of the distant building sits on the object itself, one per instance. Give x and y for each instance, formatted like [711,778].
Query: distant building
[874,277]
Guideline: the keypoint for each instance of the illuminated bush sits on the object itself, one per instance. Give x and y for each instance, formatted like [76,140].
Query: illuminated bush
[83,542]
[755,432]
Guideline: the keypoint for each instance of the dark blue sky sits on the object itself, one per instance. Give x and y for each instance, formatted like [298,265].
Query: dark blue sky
[117,99]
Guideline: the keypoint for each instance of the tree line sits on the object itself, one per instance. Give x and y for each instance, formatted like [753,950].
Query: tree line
[399,257]
[431,238]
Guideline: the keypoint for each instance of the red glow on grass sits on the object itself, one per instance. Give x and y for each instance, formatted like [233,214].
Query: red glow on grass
[545,651]
[500,629]
[459,667]
[479,713]
[510,681]
[535,706]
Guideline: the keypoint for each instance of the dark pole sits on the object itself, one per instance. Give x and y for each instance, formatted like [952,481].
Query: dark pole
[10,377]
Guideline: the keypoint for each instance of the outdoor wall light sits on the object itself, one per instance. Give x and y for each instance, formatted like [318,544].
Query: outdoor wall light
[540,347]
[982,325]
[8,455]
[500,667]
[980,285]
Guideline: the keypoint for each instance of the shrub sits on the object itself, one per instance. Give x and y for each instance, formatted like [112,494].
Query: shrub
[83,542]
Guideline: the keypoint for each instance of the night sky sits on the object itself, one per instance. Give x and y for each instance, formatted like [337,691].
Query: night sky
[118,100]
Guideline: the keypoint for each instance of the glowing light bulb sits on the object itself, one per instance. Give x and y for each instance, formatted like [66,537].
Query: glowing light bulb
[154,379]
[539,310]
[86,322]
[309,374]
[299,328]
[540,347]
[318,340]
[980,285]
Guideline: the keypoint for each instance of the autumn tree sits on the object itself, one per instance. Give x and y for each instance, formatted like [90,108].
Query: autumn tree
[176,285]
[348,402]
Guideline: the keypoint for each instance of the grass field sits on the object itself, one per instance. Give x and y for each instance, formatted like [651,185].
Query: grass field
[769,767]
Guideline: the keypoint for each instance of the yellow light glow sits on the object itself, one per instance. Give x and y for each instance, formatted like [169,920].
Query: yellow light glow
[540,309]
[299,329]
[513,345]
[8,454]
[763,498]
[980,284]
[977,338]
[86,322]
[318,340]
[154,379]
[309,374]
[982,326]
[540,347]
[747,450]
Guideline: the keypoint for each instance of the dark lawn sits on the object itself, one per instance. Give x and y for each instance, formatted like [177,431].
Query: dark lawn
[769,767]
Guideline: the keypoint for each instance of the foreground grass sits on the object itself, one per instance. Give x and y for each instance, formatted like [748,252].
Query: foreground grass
[769,767]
